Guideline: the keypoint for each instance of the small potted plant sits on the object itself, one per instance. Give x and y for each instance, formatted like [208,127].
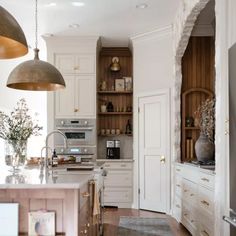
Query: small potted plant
[204,146]
[16,129]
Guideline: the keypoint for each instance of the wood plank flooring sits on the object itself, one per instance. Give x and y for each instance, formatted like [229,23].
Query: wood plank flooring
[111,220]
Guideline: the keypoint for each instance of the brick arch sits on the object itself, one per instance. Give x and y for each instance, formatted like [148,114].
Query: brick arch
[184,23]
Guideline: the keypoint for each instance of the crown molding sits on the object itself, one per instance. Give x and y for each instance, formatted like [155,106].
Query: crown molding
[157,33]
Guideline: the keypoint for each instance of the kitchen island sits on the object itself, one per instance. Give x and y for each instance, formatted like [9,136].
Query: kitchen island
[67,193]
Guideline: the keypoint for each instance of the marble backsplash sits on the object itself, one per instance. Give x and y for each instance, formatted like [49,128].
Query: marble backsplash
[126,146]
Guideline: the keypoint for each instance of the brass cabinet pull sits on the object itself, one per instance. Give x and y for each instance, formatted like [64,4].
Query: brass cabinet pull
[205,233]
[205,179]
[76,110]
[205,203]
[85,194]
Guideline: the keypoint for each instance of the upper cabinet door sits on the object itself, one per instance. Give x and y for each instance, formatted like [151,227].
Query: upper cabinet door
[65,99]
[85,96]
[66,64]
[85,64]
[79,64]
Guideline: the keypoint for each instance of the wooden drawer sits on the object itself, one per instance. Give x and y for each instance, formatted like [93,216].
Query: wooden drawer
[178,169]
[206,201]
[189,219]
[205,230]
[117,195]
[84,195]
[118,165]
[118,179]
[207,180]
[178,185]
[190,192]
[177,211]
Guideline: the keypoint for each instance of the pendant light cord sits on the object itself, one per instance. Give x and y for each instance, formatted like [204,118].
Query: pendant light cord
[36,23]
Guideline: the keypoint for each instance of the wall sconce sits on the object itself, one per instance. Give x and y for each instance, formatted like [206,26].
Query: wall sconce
[115,65]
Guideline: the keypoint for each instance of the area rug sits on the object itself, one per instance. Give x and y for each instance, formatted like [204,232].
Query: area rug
[138,226]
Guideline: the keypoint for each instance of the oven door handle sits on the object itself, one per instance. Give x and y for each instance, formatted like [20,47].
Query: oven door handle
[76,128]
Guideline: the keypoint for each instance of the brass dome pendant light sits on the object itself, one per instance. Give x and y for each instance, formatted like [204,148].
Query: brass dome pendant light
[36,75]
[12,39]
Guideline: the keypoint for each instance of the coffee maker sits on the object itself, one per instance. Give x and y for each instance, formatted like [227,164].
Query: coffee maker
[113,149]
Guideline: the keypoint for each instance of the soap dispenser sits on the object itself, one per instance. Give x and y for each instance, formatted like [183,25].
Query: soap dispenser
[54,159]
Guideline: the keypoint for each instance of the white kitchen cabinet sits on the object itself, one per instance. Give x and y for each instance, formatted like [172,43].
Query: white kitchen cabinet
[194,200]
[118,184]
[78,99]
[79,64]
[75,57]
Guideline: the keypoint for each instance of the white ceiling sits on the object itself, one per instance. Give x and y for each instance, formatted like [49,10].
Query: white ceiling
[114,20]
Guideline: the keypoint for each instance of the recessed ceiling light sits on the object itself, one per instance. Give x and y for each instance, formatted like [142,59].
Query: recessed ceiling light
[51,4]
[77,4]
[142,6]
[74,26]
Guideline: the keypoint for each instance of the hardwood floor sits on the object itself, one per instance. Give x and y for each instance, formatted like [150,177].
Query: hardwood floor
[111,220]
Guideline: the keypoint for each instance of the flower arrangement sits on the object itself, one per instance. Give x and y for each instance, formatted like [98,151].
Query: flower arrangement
[206,118]
[19,125]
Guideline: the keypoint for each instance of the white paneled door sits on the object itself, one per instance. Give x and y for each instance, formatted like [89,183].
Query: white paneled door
[153,151]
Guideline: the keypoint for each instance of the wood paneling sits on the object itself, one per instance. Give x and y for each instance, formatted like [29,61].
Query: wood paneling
[119,100]
[198,72]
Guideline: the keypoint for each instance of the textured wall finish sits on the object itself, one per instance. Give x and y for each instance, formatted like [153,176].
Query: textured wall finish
[184,23]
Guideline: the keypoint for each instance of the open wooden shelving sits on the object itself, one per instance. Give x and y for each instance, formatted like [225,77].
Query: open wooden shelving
[198,82]
[121,100]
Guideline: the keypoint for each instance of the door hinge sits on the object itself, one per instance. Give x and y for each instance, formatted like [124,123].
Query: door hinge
[139,191]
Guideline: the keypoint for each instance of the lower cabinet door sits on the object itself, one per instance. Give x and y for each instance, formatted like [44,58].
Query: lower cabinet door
[84,220]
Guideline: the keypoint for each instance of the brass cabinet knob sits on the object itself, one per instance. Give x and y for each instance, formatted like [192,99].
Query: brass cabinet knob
[76,110]
[76,67]
[205,203]
[85,194]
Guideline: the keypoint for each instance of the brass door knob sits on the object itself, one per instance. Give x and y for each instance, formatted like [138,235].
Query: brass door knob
[163,159]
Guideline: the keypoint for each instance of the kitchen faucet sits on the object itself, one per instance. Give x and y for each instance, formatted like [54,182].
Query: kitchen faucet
[47,147]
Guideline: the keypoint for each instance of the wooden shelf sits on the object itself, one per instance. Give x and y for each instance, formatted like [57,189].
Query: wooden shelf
[115,92]
[121,100]
[192,128]
[115,113]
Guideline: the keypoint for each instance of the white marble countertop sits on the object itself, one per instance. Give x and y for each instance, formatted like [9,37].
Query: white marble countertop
[33,178]
[209,170]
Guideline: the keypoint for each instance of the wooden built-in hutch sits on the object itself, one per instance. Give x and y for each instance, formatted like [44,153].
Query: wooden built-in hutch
[198,84]
[122,100]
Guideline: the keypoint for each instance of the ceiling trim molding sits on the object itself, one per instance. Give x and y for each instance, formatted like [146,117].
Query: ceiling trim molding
[153,34]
